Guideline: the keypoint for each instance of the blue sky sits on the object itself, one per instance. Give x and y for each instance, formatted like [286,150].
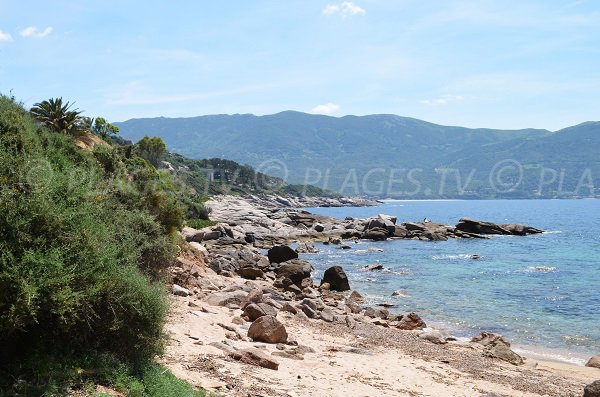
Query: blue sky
[497,64]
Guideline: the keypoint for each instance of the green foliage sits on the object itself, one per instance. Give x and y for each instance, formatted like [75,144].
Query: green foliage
[69,375]
[200,223]
[58,116]
[81,247]
[151,149]
[218,176]
[104,129]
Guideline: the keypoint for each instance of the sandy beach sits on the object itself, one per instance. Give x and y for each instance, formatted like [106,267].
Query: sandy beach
[341,350]
[337,360]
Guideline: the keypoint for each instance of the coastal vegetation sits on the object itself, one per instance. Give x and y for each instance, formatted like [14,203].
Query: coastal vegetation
[85,237]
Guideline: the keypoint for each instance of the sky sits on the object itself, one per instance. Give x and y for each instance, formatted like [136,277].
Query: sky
[475,63]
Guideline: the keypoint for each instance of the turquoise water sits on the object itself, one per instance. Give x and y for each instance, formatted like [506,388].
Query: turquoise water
[542,291]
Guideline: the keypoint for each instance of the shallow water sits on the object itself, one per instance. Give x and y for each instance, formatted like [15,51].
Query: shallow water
[540,291]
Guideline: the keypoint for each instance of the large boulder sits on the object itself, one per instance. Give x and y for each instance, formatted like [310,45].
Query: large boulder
[592,390]
[268,329]
[281,254]
[295,270]
[336,278]
[255,357]
[376,234]
[479,227]
[521,230]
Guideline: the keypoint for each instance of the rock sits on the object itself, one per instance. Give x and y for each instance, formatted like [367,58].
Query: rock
[318,227]
[500,350]
[353,307]
[370,268]
[213,235]
[281,254]
[521,230]
[335,241]
[594,362]
[250,238]
[292,354]
[337,279]
[400,293]
[592,390]
[377,312]
[191,234]
[434,337]
[255,357]
[400,231]
[179,290]
[380,322]
[200,248]
[295,270]
[485,338]
[356,296]
[289,308]
[250,273]
[227,298]
[268,329]
[306,248]
[256,310]
[255,296]
[480,227]
[411,321]
[327,315]
[345,247]
[308,311]
[376,234]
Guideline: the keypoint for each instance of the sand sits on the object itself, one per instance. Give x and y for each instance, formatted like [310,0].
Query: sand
[366,360]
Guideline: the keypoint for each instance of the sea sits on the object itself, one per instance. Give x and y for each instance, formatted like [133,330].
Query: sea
[542,292]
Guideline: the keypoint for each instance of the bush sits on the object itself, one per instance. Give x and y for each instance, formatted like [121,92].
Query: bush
[80,248]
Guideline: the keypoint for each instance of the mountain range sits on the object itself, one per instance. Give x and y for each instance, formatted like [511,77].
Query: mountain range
[391,156]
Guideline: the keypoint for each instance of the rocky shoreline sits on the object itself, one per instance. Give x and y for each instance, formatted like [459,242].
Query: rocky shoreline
[243,273]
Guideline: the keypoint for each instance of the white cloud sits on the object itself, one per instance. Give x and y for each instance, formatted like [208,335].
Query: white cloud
[328,108]
[345,8]
[443,100]
[31,31]
[5,36]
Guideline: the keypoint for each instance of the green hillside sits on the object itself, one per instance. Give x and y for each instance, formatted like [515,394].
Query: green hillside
[388,155]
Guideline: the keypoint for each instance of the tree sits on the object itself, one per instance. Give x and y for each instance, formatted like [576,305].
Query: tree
[104,129]
[57,116]
[152,149]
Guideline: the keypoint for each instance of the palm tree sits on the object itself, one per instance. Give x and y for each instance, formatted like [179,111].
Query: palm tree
[58,116]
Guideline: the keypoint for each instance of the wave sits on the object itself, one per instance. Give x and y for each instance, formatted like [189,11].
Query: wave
[456,257]
[541,269]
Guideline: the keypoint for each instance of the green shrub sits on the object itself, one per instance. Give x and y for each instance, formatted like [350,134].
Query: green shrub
[80,248]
